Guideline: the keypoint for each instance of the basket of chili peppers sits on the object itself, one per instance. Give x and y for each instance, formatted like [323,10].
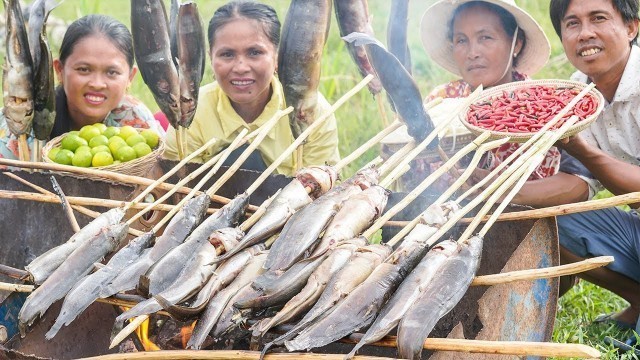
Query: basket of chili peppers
[518,110]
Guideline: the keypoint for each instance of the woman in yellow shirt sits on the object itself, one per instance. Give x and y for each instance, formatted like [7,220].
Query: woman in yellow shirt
[243,44]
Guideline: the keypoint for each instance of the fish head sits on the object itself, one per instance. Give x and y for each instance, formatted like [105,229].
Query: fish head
[367,177]
[447,247]
[117,232]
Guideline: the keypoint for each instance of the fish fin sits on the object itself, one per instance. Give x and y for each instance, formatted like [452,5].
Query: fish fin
[361,39]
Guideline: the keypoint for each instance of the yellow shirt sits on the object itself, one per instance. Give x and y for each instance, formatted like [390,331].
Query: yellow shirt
[215,117]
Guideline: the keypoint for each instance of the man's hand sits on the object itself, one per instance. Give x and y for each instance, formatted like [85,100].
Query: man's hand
[574,145]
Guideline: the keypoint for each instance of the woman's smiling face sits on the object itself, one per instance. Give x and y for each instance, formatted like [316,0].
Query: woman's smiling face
[244,61]
[95,77]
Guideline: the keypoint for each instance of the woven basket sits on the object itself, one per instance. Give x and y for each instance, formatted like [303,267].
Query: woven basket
[136,167]
[497,91]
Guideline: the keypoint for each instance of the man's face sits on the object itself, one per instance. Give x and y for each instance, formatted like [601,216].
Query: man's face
[596,39]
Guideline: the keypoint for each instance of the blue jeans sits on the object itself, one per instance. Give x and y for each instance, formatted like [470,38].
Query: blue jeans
[606,232]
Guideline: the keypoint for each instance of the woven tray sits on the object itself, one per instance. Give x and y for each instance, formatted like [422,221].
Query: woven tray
[136,167]
[497,91]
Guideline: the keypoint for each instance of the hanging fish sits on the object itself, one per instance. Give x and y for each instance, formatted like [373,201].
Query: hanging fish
[192,52]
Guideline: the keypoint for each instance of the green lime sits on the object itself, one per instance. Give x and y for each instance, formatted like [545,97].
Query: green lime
[72,142]
[89,131]
[100,148]
[53,152]
[142,149]
[115,143]
[111,131]
[82,159]
[125,153]
[116,162]
[102,158]
[98,140]
[64,157]
[135,139]
[75,132]
[100,126]
[127,131]
[83,148]
[151,137]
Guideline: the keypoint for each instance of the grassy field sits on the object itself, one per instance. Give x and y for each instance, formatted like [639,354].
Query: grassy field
[359,120]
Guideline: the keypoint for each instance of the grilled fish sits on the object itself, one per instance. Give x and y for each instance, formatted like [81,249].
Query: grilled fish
[217,304]
[191,59]
[397,32]
[180,226]
[76,266]
[309,183]
[304,33]
[399,85]
[17,74]
[151,44]
[42,266]
[353,16]
[44,115]
[87,290]
[438,298]
[408,292]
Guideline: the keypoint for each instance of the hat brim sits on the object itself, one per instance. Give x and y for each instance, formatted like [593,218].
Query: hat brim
[433,33]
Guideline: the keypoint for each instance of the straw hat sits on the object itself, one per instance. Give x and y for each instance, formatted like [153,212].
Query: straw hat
[434,27]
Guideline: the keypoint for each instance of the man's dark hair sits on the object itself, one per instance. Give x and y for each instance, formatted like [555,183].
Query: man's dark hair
[627,8]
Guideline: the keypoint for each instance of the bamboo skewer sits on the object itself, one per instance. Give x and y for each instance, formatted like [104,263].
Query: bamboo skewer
[13,272]
[423,185]
[367,145]
[396,158]
[23,148]
[66,207]
[215,163]
[391,178]
[453,188]
[247,224]
[543,273]
[109,175]
[173,170]
[224,355]
[264,131]
[180,142]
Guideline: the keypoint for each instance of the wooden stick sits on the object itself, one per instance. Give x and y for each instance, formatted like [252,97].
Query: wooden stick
[452,189]
[36,154]
[16,287]
[22,195]
[81,209]
[302,137]
[424,185]
[544,273]
[175,169]
[131,327]
[224,355]
[367,145]
[381,110]
[109,175]
[264,131]
[180,142]
[66,207]
[23,148]
[214,163]
[13,272]
[247,224]
[395,175]
[396,158]
[221,158]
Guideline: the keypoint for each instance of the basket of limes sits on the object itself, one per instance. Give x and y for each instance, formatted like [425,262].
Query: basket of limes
[125,150]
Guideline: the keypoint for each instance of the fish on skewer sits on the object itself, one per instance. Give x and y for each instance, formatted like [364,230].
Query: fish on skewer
[439,297]
[192,278]
[87,290]
[17,74]
[399,85]
[309,184]
[174,9]
[358,268]
[38,13]
[180,226]
[152,49]
[223,275]
[191,59]
[314,287]
[356,215]
[44,115]
[76,266]
[164,271]
[44,265]
[304,33]
[353,16]
[218,303]
[302,230]
[361,306]
[409,291]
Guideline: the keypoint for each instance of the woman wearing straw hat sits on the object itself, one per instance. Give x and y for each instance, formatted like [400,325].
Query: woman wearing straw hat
[488,43]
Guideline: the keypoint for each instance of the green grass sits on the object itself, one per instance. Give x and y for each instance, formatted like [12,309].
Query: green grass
[359,120]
